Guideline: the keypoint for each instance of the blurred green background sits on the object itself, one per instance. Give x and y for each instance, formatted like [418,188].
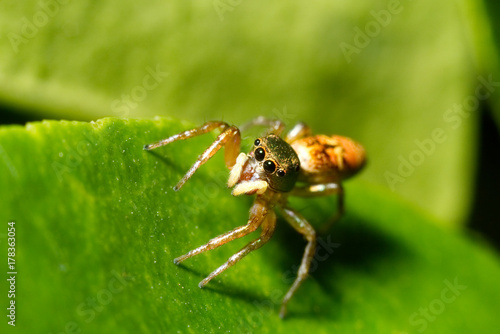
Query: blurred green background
[417,82]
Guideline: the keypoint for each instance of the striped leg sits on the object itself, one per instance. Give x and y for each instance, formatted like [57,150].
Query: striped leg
[268,226]
[257,214]
[229,137]
[301,225]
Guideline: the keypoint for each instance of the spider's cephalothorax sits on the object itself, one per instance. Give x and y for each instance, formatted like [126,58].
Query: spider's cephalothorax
[298,165]
[271,161]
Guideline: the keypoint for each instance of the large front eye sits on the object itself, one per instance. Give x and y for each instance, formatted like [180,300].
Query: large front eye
[269,166]
[260,154]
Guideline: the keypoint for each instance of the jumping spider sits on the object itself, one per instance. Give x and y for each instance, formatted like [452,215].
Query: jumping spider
[301,164]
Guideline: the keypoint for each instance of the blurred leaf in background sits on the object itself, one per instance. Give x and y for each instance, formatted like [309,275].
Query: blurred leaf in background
[388,73]
[488,37]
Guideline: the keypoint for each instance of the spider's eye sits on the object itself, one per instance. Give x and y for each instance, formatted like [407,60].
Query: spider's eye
[256,142]
[280,173]
[269,166]
[260,154]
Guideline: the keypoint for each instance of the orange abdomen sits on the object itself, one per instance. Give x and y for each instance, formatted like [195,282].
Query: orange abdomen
[328,158]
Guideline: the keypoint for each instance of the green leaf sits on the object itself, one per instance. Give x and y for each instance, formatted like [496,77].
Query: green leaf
[98,225]
[377,71]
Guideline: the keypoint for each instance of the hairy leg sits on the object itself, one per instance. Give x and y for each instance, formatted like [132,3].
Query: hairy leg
[229,137]
[301,225]
[205,128]
[268,226]
[257,214]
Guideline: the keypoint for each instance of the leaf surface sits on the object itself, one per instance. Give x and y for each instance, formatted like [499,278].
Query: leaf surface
[98,225]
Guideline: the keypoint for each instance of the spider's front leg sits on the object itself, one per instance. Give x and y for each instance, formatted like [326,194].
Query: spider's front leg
[229,137]
[268,226]
[260,215]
